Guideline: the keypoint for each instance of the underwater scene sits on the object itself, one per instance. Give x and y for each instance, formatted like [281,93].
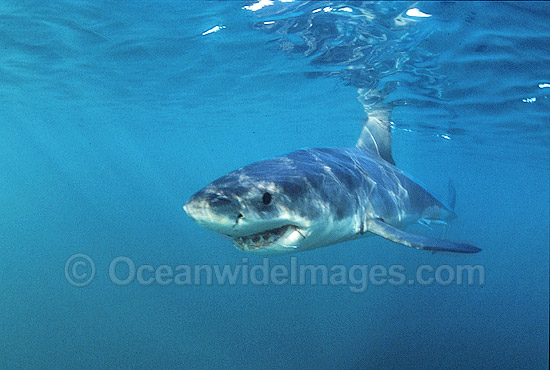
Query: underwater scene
[274,185]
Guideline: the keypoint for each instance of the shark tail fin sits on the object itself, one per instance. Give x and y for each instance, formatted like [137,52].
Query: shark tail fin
[375,136]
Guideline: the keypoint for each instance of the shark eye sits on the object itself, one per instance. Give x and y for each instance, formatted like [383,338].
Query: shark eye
[266,198]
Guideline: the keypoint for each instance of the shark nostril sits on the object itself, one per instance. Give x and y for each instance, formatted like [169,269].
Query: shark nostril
[239,216]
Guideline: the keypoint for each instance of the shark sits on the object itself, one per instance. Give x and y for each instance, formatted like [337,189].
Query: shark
[316,197]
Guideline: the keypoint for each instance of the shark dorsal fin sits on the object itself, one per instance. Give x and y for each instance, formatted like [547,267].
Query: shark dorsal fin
[376,134]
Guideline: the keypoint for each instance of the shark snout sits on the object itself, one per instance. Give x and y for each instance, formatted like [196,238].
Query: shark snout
[215,211]
[217,202]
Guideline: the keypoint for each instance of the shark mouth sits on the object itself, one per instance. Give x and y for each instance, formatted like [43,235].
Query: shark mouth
[267,238]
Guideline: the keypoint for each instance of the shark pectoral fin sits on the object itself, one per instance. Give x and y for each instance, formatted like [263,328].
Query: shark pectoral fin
[396,235]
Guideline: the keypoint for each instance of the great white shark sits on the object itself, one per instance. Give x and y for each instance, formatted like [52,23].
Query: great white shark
[311,198]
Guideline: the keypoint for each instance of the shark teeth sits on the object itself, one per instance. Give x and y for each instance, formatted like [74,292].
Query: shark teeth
[261,240]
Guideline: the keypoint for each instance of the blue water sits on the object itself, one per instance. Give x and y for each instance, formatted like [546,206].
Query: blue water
[113,114]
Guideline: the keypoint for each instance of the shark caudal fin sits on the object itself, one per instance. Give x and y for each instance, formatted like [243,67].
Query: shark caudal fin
[375,137]
[389,232]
